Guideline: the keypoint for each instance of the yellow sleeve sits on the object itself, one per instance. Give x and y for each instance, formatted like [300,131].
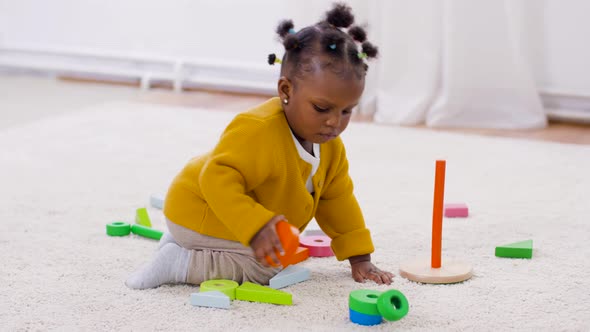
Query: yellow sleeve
[237,165]
[340,216]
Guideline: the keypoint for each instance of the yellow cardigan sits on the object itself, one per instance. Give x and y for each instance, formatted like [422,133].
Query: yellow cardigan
[255,173]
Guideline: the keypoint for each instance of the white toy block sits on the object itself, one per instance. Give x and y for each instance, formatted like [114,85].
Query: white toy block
[157,201]
[213,299]
[314,232]
[292,274]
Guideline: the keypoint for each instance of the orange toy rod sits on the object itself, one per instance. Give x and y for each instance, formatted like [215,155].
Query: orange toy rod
[437,213]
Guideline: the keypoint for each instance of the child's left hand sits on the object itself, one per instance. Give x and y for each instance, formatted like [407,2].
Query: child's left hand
[365,270]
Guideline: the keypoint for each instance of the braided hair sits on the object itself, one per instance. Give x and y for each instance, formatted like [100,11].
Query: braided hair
[327,42]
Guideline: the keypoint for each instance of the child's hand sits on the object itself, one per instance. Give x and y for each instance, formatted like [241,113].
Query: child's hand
[266,241]
[363,269]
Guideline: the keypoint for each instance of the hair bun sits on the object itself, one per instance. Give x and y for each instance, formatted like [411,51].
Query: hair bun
[291,43]
[370,50]
[272,58]
[285,27]
[357,33]
[340,16]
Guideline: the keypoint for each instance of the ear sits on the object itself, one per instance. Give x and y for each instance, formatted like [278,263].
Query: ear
[285,88]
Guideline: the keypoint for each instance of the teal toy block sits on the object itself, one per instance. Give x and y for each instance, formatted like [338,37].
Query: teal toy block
[292,274]
[143,218]
[523,249]
[256,293]
[212,299]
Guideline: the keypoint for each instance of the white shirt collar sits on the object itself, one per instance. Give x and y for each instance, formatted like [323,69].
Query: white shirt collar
[314,160]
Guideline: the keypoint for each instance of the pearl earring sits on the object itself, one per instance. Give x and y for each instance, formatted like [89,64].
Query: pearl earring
[286,101]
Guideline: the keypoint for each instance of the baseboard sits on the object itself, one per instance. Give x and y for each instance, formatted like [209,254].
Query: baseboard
[566,106]
[204,74]
[120,67]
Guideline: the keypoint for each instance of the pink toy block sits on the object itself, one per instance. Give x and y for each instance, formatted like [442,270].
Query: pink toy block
[318,245]
[456,210]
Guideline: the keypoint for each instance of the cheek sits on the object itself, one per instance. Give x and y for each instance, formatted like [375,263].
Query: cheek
[344,123]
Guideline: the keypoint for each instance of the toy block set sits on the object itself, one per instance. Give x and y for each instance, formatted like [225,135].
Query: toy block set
[366,307]
[220,293]
[226,290]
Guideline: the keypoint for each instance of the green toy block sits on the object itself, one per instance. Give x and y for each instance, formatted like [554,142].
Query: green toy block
[227,287]
[256,293]
[142,217]
[118,228]
[523,249]
[146,232]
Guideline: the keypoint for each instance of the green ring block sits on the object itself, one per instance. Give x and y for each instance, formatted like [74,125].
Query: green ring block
[146,232]
[142,217]
[118,228]
[227,287]
[256,293]
[523,249]
[364,301]
[393,305]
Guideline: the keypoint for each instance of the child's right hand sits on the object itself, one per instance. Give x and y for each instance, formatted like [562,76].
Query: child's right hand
[266,241]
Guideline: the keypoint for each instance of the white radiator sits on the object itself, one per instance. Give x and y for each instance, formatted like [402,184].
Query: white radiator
[181,73]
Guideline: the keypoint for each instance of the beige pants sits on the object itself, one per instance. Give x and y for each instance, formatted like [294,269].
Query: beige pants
[215,258]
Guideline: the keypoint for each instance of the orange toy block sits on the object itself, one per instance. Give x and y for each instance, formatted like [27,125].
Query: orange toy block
[289,236]
[299,256]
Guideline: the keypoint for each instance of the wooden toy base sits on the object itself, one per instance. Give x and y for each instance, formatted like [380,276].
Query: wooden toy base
[450,272]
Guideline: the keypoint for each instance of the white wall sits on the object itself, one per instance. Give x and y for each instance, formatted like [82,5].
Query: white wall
[567,47]
[221,29]
[556,32]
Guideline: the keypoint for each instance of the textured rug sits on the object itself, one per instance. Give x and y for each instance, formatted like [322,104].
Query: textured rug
[63,178]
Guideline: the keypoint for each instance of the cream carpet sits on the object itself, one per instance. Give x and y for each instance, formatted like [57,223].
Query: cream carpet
[63,178]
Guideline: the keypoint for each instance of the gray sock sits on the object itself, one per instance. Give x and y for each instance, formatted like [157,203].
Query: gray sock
[166,238]
[169,266]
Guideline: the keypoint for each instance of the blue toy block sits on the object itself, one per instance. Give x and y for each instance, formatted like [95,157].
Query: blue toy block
[290,275]
[212,299]
[157,201]
[364,319]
